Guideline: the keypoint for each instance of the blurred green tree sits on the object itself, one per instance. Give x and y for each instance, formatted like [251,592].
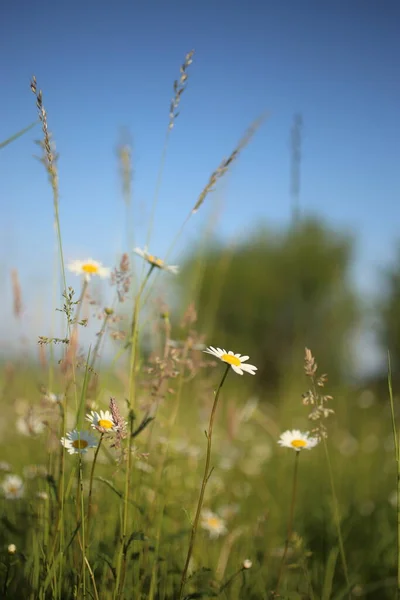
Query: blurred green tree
[275,293]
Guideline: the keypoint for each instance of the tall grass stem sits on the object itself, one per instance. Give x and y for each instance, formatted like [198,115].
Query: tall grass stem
[206,477]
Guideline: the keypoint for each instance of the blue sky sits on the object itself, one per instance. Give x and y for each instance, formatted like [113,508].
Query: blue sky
[103,66]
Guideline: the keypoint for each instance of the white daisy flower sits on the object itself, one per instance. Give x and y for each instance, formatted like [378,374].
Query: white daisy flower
[87,268]
[247,564]
[102,421]
[78,442]
[156,262]
[213,523]
[235,360]
[13,487]
[297,440]
[11,549]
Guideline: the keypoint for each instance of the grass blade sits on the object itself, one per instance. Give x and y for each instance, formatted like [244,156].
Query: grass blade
[329,573]
[17,135]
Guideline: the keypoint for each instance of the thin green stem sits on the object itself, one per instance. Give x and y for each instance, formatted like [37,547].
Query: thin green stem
[206,477]
[231,578]
[391,400]
[100,335]
[290,524]
[89,510]
[158,185]
[336,514]
[133,340]
[134,328]
[119,582]
[80,303]
[398,530]
[163,459]
[397,458]
[82,520]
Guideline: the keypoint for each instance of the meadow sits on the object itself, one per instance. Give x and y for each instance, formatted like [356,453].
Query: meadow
[167,472]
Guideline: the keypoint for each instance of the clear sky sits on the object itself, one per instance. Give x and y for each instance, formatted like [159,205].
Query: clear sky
[107,65]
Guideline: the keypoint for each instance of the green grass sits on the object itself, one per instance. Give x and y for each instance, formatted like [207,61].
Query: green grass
[252,480]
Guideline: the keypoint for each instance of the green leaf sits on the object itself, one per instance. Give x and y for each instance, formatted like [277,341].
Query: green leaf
[17,135]
[329,573]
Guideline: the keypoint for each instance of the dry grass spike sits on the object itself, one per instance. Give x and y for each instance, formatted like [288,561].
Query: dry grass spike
[50,156]
[17,295]
[227,162]
[179,88]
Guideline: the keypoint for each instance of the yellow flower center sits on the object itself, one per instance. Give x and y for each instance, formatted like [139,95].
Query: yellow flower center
[90,268]
[79,444]
[213,522]
[155,261]
[105,424]
[298,443]
[232,360]
[13,489]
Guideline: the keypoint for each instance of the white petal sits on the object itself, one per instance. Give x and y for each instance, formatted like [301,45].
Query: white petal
[237,370]
[104,271]
[213,352]
[249,369]
[216,351]
[172,269]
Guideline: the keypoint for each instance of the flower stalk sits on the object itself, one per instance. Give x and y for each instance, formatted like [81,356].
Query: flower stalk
[206,476]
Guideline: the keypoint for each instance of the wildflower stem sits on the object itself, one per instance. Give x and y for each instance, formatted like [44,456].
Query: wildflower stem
[119,582]
[158,184]
[336,514]
[89,510]
[131,339]
[231,578]
[49,160]
[82,508]
[290,523]
[100,336]
[311,368]
[206,476]
[80,302]
[397,458]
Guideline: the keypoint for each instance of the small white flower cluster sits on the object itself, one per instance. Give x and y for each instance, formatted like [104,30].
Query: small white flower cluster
[79,442]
